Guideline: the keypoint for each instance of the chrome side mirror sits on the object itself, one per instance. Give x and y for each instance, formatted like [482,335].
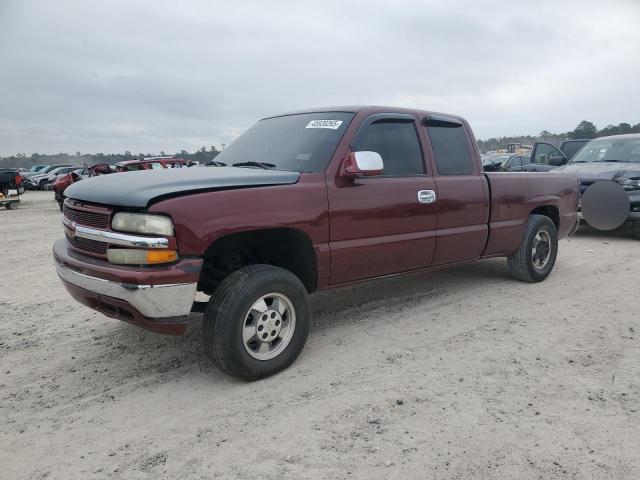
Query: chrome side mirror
[363,163]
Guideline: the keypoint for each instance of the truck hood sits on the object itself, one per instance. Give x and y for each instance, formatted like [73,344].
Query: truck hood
[141,188]
[601,170]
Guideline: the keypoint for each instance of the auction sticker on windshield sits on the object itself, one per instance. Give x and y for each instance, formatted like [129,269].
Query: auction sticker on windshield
[332,124]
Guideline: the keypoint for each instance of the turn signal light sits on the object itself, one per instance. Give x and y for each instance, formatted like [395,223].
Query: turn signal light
[132,256]
[161,256]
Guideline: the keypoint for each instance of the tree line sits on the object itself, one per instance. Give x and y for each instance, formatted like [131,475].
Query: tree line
[584,129]
[21,160]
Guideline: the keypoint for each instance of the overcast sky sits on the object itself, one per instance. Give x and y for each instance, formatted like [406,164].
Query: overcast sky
[145,76]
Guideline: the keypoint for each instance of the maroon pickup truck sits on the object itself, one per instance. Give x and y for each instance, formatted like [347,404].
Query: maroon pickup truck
[301,202]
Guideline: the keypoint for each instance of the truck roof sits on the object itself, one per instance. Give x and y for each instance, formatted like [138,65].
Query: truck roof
[368,109]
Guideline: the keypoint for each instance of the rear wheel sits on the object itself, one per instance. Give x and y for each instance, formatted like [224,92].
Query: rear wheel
[11,206]
[536,256]
[257,322]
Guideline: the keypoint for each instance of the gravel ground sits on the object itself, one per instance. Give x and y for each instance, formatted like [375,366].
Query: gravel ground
[461,373]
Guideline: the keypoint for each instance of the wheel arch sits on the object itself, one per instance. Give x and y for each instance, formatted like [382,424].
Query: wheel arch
[285,247]
[550,211]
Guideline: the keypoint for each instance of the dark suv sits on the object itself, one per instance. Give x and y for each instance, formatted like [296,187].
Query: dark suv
[615,158]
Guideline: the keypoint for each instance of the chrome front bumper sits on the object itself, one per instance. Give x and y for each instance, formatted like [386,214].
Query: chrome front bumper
[152,301]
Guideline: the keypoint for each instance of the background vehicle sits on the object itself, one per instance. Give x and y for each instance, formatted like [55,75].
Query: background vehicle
[542,157]
[33,170]
[517,163]
[39,179]
[519,148]
[570,147]
[308,201]
[494,162]
[61,182]
[11,187]
[151,163]
[616,159]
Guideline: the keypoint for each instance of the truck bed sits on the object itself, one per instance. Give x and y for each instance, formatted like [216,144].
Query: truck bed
[514,195]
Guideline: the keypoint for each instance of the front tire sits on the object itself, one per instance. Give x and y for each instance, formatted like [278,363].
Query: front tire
[536,256]
[257,322]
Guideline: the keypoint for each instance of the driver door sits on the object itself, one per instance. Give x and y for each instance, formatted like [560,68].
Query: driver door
[383,224]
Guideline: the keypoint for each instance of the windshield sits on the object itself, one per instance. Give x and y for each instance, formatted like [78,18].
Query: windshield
[300,143]
[609,150]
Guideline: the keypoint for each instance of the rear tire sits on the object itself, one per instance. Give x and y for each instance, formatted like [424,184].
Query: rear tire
[253,302]
[536,256]
[635,230]
[11,206]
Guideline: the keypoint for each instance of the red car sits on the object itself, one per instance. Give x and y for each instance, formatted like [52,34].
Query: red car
[307,201]
[61,183]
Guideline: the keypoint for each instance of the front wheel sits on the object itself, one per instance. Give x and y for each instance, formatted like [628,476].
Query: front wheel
[536,256]
[257,322]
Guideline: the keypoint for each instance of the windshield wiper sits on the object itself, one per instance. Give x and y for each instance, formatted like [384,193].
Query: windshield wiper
[613,161]
[264,165]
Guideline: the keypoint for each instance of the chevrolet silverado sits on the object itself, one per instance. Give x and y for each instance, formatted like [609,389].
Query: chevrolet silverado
[301,202]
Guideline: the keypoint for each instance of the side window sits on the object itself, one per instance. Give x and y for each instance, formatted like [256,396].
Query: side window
[396,142]
[450,148]
[515,161]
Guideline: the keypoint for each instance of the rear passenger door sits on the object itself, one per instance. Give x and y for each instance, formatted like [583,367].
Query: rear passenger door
[463,198]
[381,224]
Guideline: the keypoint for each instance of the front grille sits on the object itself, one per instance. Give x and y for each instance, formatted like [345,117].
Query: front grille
[88,245]
[90,219]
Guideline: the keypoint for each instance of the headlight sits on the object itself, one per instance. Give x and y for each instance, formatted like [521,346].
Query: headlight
[140,223]
[629,183]
[133,256]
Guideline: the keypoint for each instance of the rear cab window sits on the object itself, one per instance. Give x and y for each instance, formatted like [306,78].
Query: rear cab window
[450,146]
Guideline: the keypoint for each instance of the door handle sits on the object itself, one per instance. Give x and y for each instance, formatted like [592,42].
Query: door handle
[426,196]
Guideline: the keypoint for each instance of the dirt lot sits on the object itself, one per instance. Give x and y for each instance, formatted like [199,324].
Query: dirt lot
[462,373]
